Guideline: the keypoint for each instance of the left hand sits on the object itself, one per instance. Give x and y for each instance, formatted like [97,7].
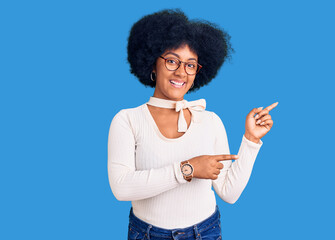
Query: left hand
[256,127]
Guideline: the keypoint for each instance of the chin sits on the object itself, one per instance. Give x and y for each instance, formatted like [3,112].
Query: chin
[176,96]
[171,93]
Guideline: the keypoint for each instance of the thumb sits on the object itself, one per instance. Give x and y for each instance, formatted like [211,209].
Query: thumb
[254,111]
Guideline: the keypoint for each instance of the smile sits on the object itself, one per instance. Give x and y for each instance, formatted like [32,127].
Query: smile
[177,84]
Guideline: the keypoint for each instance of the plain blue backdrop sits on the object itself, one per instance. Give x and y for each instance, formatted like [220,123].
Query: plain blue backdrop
[64,75]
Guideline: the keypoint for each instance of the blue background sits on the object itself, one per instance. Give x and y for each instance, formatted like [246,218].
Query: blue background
[64,75]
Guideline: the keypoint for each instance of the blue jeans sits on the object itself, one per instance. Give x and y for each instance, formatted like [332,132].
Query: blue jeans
[208,229]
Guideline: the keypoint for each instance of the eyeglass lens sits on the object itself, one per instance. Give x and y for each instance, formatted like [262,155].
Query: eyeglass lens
[174,63]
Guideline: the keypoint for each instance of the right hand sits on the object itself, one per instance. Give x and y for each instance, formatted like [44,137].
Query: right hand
[209,166]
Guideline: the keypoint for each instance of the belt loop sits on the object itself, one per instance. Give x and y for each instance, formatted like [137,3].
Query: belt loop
[196,233]
[147,234]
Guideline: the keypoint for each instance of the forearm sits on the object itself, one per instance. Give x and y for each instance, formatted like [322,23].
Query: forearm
[251,138]
[231,182]
[130,185]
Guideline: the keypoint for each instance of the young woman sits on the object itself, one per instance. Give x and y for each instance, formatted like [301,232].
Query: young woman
[165,155]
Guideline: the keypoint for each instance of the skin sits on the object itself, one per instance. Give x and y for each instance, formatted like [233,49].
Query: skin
[163,88]
[205,166]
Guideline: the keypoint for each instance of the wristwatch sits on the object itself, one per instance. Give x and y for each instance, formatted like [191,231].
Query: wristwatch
[187,170]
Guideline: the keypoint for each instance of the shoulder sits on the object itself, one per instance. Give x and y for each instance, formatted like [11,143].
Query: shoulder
[211,116]
[129,112]
[213,120]
[208,119]
[128,116]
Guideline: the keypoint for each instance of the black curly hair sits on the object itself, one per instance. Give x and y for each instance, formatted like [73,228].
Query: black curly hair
[169,29]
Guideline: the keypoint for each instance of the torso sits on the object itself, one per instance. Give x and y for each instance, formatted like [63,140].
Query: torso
[158,145]
[167,120]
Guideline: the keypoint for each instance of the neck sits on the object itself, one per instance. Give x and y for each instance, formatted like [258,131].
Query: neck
[160,110]
[167,98]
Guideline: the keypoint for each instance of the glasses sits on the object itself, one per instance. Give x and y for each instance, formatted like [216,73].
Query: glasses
[172,64]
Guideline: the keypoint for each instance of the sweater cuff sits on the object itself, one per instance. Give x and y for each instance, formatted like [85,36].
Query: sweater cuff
[177,172]
[252,144]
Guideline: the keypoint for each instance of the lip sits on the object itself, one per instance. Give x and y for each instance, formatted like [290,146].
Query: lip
[178,81]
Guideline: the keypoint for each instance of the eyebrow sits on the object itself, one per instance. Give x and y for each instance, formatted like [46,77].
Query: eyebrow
[178,55]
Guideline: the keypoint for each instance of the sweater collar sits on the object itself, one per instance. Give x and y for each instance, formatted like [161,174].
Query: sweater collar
[193,106]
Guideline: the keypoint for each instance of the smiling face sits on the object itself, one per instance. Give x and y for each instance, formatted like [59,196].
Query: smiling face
[173,85]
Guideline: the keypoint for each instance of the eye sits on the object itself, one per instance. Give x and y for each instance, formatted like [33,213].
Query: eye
[191,65]
[172,61]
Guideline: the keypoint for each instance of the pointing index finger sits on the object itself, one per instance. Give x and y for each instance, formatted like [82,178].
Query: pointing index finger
[226,157]
[272,106]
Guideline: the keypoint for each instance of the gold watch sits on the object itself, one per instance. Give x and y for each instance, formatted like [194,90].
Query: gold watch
[187,170]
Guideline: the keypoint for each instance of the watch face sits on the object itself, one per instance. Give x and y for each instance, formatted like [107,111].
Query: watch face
[187,169]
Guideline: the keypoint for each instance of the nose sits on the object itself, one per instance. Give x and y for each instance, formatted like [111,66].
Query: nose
[181,70]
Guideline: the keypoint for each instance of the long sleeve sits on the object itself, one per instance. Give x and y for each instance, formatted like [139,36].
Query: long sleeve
[126,182]
[234,177]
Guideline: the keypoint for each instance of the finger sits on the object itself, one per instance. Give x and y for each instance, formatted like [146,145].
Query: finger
[217,172]
[225,157]
[254,111]
[262,119]
[219,165]
[266,110]
[272,106]
[268,124]
[262,113]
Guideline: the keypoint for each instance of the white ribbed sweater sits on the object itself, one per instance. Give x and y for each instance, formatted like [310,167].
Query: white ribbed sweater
[144,167]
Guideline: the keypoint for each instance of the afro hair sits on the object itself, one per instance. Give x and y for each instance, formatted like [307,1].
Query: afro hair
[169,29]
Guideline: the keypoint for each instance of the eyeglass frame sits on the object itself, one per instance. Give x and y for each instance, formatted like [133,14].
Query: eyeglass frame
[180,62]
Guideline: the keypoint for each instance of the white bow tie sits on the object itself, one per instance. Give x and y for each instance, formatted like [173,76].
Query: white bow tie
[198,105]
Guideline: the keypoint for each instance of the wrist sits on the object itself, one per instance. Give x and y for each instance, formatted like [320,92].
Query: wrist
[251,138]
[187,170]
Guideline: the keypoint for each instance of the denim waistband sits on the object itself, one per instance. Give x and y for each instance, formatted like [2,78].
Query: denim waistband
[188,231]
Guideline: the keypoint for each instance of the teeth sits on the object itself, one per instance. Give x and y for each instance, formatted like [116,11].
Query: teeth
[177,83]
